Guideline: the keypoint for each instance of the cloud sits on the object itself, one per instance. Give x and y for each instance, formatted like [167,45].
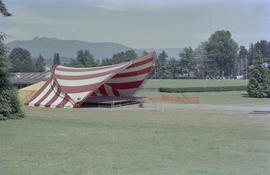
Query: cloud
[26,18]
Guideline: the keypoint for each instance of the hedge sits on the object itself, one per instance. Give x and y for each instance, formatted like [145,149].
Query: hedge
[203,89]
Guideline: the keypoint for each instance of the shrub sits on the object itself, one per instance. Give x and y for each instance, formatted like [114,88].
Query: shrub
[9,103]
[203,89]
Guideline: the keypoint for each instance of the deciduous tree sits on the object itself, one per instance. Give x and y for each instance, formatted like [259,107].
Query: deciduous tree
[221,49]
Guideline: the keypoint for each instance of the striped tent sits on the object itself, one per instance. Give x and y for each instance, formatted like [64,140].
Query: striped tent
[71,87]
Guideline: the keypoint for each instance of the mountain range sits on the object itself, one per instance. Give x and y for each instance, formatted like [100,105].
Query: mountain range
[68,48]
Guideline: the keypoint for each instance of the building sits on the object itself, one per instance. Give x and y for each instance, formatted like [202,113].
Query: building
[23,79]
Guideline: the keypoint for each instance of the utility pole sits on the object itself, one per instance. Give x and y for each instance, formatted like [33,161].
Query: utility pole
[246,71]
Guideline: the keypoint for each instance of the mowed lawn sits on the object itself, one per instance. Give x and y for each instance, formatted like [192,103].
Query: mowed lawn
[217,136]
[152,83]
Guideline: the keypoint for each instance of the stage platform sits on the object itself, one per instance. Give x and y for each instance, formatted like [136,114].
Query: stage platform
[111,101]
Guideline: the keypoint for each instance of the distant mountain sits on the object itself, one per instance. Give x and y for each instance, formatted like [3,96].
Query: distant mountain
[68,48]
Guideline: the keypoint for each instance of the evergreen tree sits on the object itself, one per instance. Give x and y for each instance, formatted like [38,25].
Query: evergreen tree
[257,85]
[40,64]
[81,57]
[56,59]
[89,59]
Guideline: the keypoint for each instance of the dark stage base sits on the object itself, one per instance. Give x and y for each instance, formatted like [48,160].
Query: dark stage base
[111,101]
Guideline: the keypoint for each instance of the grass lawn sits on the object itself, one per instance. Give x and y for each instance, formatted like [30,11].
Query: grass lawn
[191,83]
[217,136]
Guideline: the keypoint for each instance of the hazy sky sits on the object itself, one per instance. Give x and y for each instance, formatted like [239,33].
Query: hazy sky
[138,23]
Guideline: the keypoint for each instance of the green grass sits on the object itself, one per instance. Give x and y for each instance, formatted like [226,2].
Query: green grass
[192,83]
[236,98]
[218,136]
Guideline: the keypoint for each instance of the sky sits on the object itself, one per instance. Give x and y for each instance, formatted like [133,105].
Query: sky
[138,23]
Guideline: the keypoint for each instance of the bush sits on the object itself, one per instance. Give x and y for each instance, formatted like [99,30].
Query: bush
[9,105]
[203,89]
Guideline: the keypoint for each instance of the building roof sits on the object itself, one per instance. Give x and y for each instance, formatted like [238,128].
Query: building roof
[29,77]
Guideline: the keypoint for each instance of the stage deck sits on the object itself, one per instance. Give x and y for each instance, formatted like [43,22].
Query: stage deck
[111,101]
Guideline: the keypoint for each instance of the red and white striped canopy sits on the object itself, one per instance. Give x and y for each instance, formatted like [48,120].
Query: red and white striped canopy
[70,87]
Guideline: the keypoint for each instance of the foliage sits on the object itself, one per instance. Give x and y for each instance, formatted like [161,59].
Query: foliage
[264,48]
[56,59]
[161,71]
[40,64]
[258,79]
[28,65]
[3,9]
[124,56]
[242,62]
[84,59]
[19,53]
[144,52]
[203,89]
[173,67]
[9,104]
[187,62]
[221,53]
[22,62]
[106,61]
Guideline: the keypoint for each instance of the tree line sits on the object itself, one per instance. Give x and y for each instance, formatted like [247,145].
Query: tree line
[218,57]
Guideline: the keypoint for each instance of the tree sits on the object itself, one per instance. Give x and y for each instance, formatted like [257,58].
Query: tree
[56,59]
[161,66]
[19,53]
[17,57]
[187,62]
[124,56]
[264,48]
[81,58]
[28,65]
[9,103]
[221,50]
[257,85]
[251,54]
[40,64]
[89,59]
[73,63]
[106,61]
[144,53]
[3,9]
[242,56]
[173,67]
